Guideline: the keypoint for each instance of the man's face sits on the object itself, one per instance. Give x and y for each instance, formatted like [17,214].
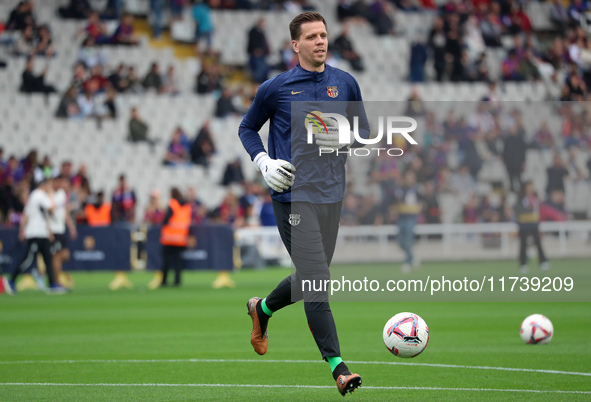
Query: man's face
[312,44]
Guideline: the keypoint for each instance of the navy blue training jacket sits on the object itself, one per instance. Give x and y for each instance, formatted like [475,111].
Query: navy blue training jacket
[286,100]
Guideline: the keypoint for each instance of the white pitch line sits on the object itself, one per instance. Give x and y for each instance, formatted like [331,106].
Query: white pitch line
[54,384]
[440,365]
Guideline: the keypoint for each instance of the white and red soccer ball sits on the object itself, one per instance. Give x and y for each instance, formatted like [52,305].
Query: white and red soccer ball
[406,335]
[536,329]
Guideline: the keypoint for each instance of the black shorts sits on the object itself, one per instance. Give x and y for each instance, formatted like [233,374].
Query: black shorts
[60,242]
[309,232]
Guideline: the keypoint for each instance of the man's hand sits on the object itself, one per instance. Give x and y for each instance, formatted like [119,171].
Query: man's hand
[278,174]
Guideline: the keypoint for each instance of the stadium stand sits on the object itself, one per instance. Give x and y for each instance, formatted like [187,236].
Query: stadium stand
[27,121]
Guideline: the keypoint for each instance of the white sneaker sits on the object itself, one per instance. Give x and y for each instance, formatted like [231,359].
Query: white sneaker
[405,268]
[545,266]
[523,269]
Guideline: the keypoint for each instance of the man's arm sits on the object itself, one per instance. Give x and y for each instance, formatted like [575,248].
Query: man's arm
[253,121]
[23,225]
[70,223]
[278,173]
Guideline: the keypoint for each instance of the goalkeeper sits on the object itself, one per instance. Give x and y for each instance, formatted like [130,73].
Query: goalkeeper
[307,201]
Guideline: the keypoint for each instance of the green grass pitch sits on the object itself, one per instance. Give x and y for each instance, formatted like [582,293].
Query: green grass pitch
[97,344]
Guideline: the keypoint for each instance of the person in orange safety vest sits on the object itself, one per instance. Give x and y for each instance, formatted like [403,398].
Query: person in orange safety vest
[174,235]
[99,213]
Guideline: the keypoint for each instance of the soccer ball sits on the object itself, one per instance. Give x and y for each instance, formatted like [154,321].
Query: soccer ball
[536,329]
[406,335]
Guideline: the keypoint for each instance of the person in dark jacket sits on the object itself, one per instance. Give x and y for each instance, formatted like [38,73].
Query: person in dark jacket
[258,50]
[32,83]
[514,157]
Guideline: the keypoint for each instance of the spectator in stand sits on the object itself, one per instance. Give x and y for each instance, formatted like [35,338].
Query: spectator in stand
[32,83]
[576,12]
[379,17]
[555,175]
[153,80]
[138,129]
[44,44]
[258,51]
[461,183]
[90,54]
[208,80]
[437,43]
[470,211]
[76,9]
[118,79]
[510,67]
[203,24]
[288,58]
[473,38]
[198,210]
[225,104]
[109,105]
[133,80]
[414,104]
[90,103]
[79,76]
[431,210]
[559,16]
[123,202]
[233,173]
[553,209]
[96,30]
[68,107]
[176,9]
[528,69]
[170,82]
[155,211]
[21,17]
[418,58]
[124,34]
[344,48]
[203,147]
[25,44]
[176,154]
[514,157]
[492,30]
[97,78]
[543,138]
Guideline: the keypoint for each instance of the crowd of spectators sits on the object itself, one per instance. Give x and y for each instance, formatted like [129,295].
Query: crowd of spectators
[456,45]
[494,133]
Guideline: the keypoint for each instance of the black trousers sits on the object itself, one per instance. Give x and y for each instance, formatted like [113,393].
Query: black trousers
[525,231]
[34,246]
[309,232]
[172,258]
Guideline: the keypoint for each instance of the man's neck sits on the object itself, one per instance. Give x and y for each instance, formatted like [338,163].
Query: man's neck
[309,67]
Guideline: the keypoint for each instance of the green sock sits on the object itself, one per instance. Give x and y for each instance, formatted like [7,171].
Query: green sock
[334,362]
[265,308]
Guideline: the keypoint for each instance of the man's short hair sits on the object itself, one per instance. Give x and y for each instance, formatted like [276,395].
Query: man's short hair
[295,26]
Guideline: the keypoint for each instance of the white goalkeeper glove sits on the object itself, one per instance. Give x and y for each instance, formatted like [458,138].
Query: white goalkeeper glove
[278,174]
[330,140]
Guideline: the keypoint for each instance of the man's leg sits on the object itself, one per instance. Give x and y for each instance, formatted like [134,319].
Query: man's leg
[541,256]
[45,249]
[523,248]
[25,261]
[178,264]
[261,310]
[165,263]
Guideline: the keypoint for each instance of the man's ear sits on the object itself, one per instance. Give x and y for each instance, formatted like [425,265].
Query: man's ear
[295,46]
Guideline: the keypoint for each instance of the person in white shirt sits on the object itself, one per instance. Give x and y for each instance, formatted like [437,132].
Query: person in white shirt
[58,221]
[35,230]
